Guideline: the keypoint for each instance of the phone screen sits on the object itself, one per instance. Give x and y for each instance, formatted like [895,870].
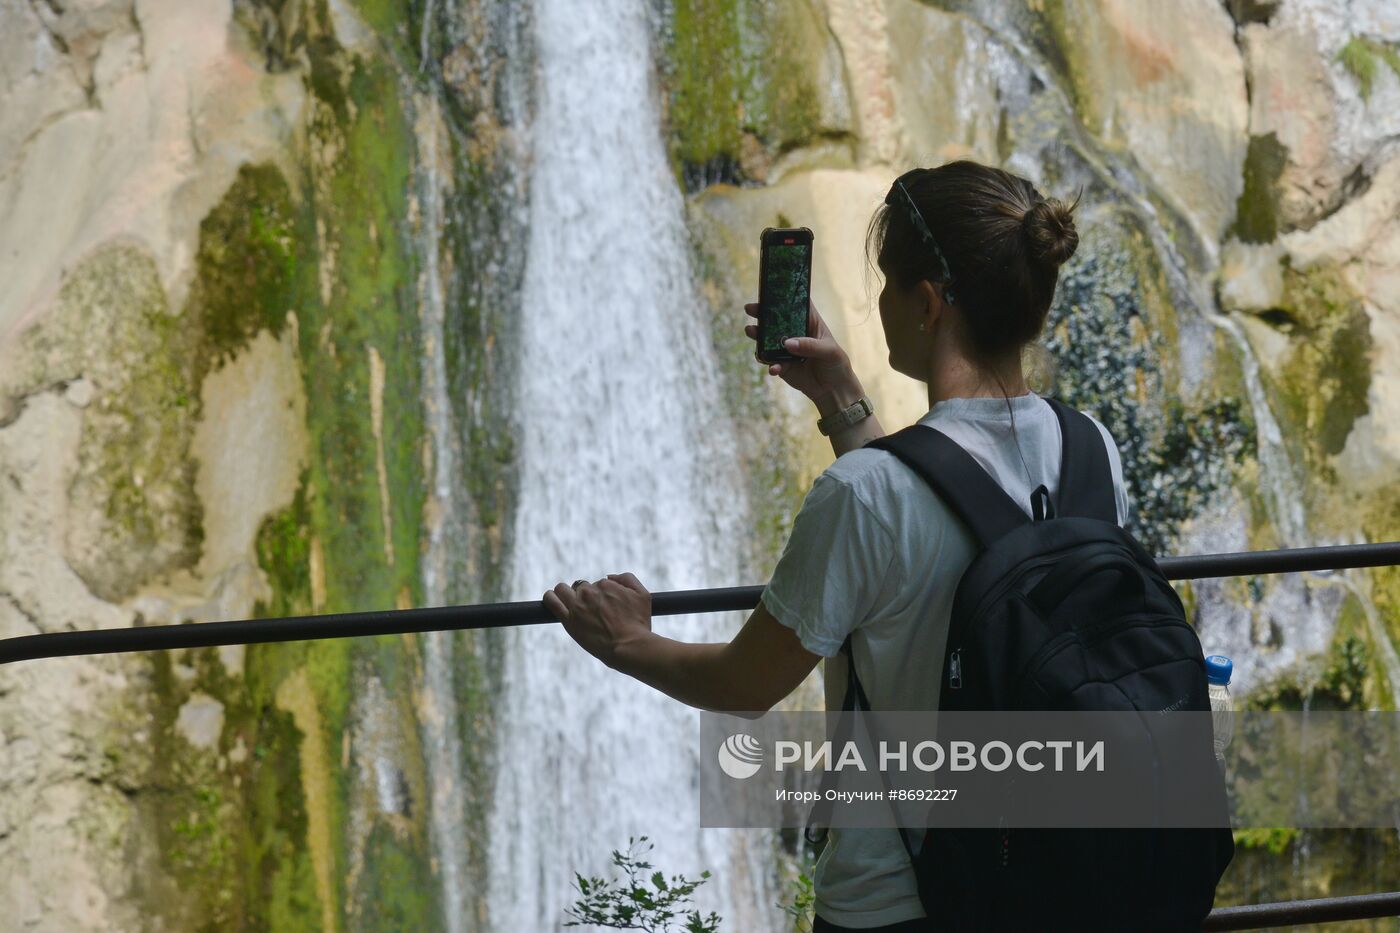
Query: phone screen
[784,292]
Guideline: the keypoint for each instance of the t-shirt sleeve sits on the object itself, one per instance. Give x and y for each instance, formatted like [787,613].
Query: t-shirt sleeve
[833,567]
[1115,465]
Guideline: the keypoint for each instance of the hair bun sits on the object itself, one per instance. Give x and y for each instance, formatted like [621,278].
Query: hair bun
[1049,227]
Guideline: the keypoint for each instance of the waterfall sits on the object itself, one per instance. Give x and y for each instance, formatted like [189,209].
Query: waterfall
[1276,470]
[625,466]
[1306,614]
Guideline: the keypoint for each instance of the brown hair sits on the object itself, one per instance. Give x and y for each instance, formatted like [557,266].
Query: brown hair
[1004,244]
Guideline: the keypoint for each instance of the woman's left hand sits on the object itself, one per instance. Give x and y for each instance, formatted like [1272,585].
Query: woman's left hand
[604,615]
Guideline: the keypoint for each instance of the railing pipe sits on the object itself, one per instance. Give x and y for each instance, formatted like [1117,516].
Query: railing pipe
[680,602]
[531,612]
[1317,910]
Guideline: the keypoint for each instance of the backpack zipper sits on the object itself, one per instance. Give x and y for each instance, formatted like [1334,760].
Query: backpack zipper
[954,661]
[964,622]
[1086,637]
[1093,635]
[1013,579]
[1006,584]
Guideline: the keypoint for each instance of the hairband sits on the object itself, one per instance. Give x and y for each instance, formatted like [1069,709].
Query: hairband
[917,219]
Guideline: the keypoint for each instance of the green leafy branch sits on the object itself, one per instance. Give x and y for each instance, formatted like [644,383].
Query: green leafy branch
[632,904]
[803,901]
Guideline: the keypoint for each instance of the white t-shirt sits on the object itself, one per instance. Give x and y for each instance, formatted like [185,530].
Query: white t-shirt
[874,549]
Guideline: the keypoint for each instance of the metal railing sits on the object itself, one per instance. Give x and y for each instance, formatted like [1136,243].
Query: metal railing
[533,612]
[680,602]
[1318,910]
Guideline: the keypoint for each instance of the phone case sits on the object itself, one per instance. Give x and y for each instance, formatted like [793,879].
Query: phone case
[765,318]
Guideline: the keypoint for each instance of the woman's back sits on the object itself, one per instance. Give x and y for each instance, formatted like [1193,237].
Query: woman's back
[875,551]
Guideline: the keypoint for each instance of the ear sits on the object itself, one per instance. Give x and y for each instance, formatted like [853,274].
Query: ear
[932,305]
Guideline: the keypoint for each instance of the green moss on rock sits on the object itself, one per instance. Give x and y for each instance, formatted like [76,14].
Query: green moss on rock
[1274,841]
[1257,211]
[338,254]
[1338,683]
[399,892]
[281,881]
[247,262]
[741,75]
[1058,38]
[1362,57]
[1272,865]
[276,26]
[283,547]
[186,804]
[1322,388]
[1380,521]
[704,113]
[230,822]
[398,22]
[357,313]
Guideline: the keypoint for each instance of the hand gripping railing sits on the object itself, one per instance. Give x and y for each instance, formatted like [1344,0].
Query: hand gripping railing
[532,612]
[679,602]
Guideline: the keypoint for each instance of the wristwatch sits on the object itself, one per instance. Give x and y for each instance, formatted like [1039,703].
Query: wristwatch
[846,417]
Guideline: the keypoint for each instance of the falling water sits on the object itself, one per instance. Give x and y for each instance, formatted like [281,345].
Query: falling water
[1276,470]
[618,440]
[1303,606]
[1382,647]
[1305,613]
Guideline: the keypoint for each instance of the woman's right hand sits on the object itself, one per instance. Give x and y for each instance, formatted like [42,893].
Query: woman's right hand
[824,368]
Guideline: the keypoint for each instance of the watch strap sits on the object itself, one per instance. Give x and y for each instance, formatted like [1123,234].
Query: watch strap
[857,411]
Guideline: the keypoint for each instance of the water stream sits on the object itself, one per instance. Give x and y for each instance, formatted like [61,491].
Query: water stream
[622,460]
[1304,616]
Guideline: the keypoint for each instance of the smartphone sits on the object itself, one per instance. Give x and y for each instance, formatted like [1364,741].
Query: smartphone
[784,288]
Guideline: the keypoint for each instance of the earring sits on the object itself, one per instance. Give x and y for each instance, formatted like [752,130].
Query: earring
[921,327]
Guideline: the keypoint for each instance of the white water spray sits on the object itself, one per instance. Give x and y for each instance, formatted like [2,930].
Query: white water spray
[615,449]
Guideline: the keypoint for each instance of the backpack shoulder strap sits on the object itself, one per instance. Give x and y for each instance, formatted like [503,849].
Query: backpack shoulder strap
[1086,478]
[960,481]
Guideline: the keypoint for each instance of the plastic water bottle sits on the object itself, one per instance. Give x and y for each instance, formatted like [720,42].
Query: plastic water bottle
[1218,671]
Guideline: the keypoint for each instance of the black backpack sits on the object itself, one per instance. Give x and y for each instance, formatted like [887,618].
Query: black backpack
[1122,643]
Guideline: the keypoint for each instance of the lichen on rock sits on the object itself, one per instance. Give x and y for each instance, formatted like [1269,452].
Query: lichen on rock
[1108,331]
[134,477]
[1315,350]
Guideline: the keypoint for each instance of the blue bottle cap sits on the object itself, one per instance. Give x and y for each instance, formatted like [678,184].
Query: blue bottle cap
[1219,668]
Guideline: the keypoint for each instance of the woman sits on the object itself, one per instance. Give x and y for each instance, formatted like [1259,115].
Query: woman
[971,256]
